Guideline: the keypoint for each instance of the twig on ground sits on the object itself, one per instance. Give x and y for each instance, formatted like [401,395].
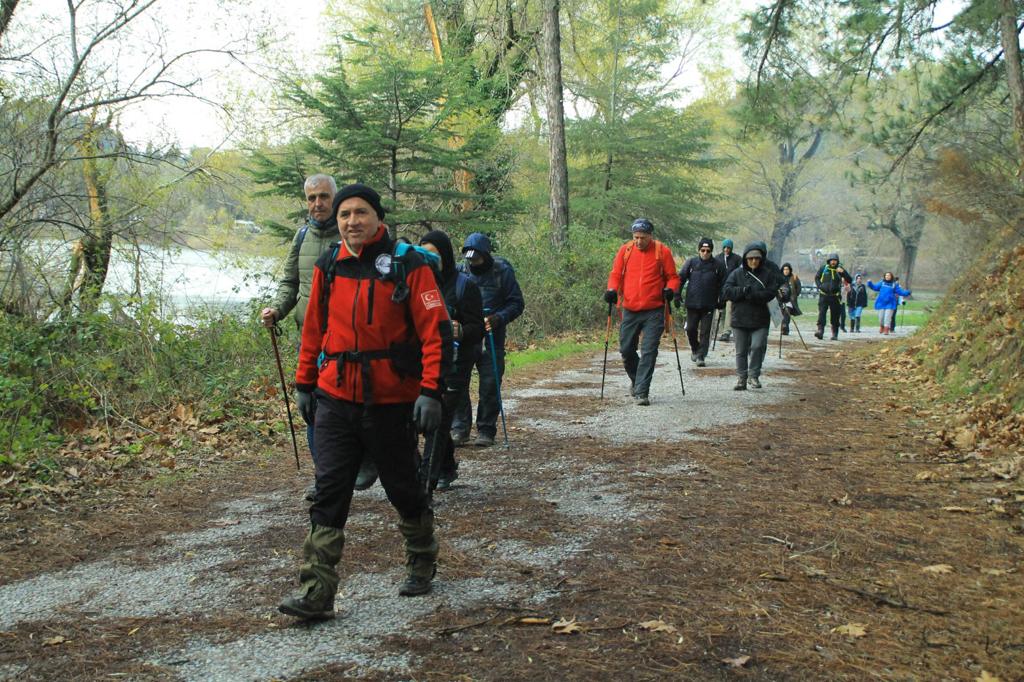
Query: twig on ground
[886,600]
[787,543]
[830,543]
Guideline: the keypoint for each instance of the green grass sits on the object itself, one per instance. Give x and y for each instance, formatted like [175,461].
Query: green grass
[515,360]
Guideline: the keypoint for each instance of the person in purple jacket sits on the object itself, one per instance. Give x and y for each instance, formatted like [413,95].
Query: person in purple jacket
[887,300]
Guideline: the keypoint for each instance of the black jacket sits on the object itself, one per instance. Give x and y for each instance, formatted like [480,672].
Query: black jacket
[858,296]
[830,281]
[751,290]
[705,279]
[465,305]
[730,263]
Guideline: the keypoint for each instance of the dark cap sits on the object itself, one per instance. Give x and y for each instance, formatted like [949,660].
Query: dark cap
[364,192]
[642,225]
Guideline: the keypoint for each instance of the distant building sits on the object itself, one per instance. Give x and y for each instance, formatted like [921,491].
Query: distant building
[249,226]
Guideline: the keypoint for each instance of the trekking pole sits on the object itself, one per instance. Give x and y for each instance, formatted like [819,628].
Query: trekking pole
[793,322]
[718,325]
[675,344]
[780,343]
[275,331]
[607,335]
[497,383]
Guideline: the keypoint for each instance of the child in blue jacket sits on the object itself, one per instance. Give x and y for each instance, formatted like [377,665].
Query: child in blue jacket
[887,301]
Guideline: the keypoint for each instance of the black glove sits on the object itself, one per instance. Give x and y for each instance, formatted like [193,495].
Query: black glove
[426,413]
[667,294]
[306,403]
[678,300]
[611,296]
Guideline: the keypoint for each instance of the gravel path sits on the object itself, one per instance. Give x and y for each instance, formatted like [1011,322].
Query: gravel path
[227,569]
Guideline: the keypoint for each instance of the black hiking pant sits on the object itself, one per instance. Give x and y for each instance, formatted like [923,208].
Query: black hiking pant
[698,330]
[829,305]
[346,433]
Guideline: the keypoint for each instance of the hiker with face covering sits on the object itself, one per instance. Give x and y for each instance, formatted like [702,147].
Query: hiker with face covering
[830,280]
[703,277]
[750,287]
[465,308]
[376,346]
[503,303]
[643,282]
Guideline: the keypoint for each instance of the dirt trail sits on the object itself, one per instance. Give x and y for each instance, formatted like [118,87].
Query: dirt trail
[782,533]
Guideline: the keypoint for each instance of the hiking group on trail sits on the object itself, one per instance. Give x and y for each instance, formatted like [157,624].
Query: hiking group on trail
[391,332]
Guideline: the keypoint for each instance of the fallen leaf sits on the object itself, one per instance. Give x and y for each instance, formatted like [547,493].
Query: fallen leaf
[925,476]
[986,676]
[167,463]
[668,542]
[658,626]
[962,510]
[533,620]
[133,631]
[52,641]
[737,662]
[998,571]
[566,627]
[225,522]
[851,630]
[843,501]
[938,568]
[209,430]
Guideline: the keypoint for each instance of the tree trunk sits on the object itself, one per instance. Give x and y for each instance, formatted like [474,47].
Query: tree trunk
[6,12]
[777,241]
[1014,77]
[98,240]
[558,173]
[910,238]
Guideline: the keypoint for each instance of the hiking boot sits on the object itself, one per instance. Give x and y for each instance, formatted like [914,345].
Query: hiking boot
[741,384]
[483,440]
[834,337]
[459,438]
[820,334]
[367,474]
[445,480]
[641,400]
[310,494]
[754,382]
[322,552]
[700,362]
[693,357]
[725,337]
[307,609]
[420,553]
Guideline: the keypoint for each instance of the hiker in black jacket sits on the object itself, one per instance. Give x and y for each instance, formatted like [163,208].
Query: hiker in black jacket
[703,277]
[465,308]
[856,301]
[829,280]
[731,261]
[750,287]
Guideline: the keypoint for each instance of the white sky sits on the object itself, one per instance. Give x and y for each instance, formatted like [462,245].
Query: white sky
[298,29]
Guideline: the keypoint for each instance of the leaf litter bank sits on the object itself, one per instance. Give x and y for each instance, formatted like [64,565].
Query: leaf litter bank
[795,542]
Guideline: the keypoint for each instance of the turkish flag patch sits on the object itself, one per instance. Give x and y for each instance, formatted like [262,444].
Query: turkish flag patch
[431,299]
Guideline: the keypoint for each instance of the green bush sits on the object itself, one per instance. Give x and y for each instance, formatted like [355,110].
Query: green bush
[117,364]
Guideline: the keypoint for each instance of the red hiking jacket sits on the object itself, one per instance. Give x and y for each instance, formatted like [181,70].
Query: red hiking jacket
[372,350]
[640,276]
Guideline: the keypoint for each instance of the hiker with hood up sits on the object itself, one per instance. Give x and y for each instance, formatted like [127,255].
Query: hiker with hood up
[750,287]
[830,280]
[465,308]
[703,277]
[643,282]
[503,303]
[731,261]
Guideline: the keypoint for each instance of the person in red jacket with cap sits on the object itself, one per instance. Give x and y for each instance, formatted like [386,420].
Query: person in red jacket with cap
[376,342]
[643,280]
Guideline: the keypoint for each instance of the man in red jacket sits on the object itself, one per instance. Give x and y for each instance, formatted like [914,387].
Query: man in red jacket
[376,342]
[643,280]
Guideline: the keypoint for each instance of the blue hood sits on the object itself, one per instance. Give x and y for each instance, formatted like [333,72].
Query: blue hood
[478,241]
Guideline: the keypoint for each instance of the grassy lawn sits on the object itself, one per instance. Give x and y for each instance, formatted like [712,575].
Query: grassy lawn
[550,350]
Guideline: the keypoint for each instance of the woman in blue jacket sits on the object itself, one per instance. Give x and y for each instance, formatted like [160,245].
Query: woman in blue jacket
[887,301]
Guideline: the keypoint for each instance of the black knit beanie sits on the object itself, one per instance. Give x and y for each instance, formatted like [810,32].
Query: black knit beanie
[364,192]
[706,241]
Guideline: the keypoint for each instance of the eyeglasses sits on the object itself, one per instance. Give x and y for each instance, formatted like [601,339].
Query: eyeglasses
[705,250]
[753,258]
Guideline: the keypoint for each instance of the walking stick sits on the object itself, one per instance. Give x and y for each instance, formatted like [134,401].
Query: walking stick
[607,335]
[497,382]
[275,331]
[780,343]
[675,344]
[718,325]
[793,322]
